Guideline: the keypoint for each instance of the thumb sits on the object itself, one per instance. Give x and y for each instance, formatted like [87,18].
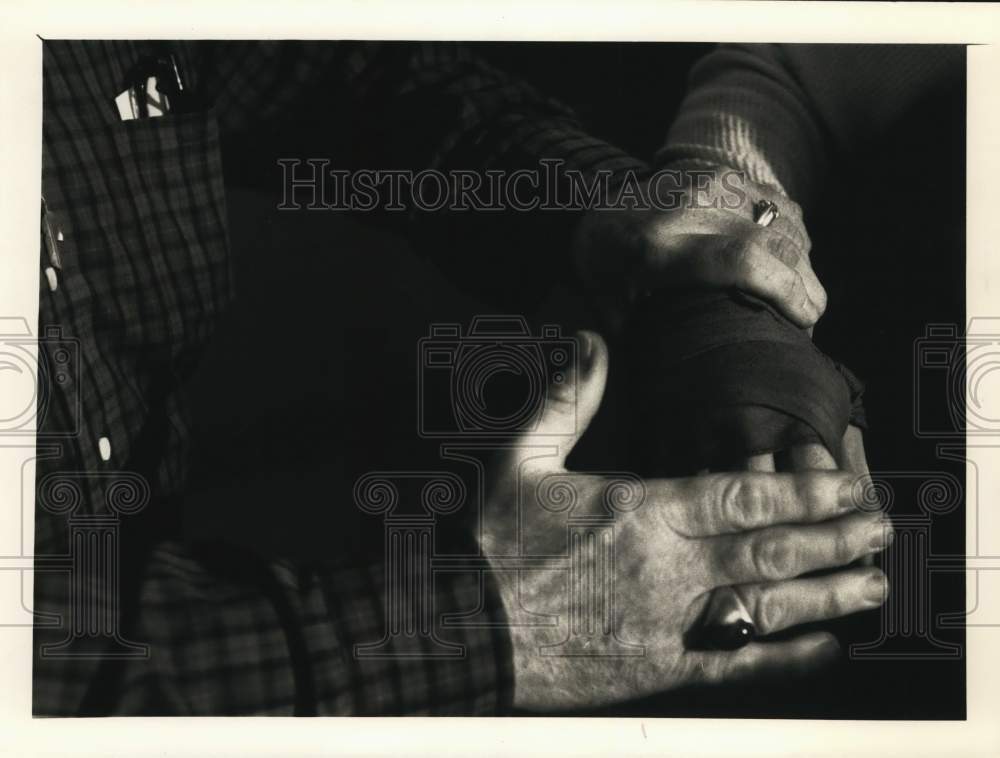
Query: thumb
[572,399]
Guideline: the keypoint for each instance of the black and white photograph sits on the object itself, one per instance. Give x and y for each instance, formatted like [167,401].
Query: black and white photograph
[488,375]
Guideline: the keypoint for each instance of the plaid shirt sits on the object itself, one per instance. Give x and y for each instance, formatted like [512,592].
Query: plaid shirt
[143,277]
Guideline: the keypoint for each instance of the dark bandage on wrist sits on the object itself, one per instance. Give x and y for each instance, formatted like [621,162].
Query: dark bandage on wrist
[722,376]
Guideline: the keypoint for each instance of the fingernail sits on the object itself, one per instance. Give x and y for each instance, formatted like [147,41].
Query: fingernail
[881,536]
[876,588]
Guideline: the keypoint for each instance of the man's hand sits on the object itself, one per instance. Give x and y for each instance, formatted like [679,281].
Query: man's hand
[707,238]
[815,457]
[671,546]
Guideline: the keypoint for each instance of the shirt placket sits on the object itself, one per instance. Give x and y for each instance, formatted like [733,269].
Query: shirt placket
[84,439]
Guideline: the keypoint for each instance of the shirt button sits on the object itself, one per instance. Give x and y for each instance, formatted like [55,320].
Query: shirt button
[104,446]
[50,275]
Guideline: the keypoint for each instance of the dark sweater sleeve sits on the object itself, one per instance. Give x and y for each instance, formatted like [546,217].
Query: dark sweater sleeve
[786,113]
[441,106]
[411,107]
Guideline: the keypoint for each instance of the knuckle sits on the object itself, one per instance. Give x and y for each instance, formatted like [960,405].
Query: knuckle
[832,605]
[805,242]
[795,230]
[744,502]
[843,547]
[810,494]
[728,562]
[791,207]
[772,556]
[770,613]
[756,506]
[784,249]
[821,299]
[793,212]
[730,500]
[738,257]
[793,288]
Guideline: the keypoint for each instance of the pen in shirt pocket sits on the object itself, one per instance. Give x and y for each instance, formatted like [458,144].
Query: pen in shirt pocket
[155,86]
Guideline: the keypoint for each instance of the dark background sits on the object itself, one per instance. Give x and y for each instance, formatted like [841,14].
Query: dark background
[311,381]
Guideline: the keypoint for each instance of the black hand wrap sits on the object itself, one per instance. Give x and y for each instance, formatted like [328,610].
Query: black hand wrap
[722,376]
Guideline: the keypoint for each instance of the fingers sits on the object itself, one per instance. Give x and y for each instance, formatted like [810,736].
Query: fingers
[853,459]
[781,605]
[730,503]
[571,400]
[798,657]
[763,462]
[785,552]
[713,246]
[745,262]
[716,249]
[787,225]
[811,456]
[852,452]
[786,250]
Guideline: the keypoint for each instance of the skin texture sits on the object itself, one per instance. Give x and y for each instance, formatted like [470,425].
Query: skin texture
[756,531]
[707,238]
[674,542]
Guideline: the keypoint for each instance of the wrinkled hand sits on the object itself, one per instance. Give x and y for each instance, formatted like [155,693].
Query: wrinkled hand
[620,254]
[759,532]
[815,457]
